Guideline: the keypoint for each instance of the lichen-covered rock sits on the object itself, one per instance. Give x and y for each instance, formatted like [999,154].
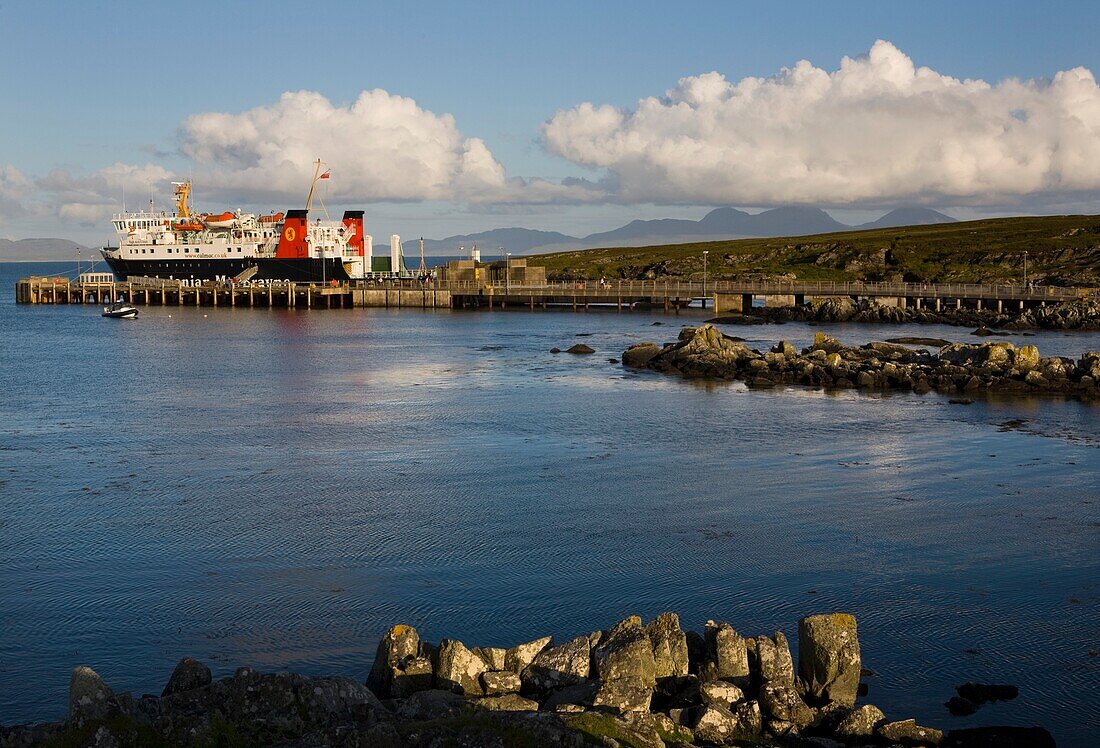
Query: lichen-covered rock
[782,702]
[554,667]
[458,669]
[626,653]
[519,657]
[728,653]
[773,660]
[497,683]
[510,702]
[908,732]
[861,722]
[398,645]
[493,656]
[828,657]
[623,695]
[670,652]
[721,693]
[89,697]
[416,675]
[187,675]
[711,723]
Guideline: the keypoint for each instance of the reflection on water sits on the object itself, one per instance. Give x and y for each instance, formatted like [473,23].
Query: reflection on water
[275,489]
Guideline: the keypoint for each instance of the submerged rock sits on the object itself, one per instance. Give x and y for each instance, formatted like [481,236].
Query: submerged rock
[580,348]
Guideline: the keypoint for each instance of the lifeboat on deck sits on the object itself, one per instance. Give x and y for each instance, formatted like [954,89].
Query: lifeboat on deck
[187,224]
[273,218]
[221,221]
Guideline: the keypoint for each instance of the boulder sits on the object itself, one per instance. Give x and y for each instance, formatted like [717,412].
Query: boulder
[782,702]
[860,723]
[908,732]
[670,651]
[828,657]
[458,669]
[398,645]
[716,724]
[638,355]
[188,675]
[511,702]
[773,660]
[517,658]
[626,653]
[417,675]
[493,656]
[580,348]
[89,697]
[720,693]
[623,695]
[430,705]
[1026,358]
[564,665]
[497,683]
[827,343]
[728,653]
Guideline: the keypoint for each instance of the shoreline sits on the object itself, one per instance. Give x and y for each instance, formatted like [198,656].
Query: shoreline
[646,685]
[1083,315]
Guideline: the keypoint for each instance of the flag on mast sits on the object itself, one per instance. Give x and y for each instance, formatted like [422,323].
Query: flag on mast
[326,175]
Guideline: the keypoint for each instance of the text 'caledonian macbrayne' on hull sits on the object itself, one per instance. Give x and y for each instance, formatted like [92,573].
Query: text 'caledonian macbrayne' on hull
[240,245]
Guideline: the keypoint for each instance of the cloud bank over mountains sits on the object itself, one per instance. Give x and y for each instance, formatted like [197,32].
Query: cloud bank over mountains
[875,132]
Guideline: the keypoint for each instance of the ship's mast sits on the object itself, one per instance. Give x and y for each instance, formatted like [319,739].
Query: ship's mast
[313,184]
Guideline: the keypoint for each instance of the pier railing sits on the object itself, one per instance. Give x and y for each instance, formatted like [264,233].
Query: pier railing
[765,288]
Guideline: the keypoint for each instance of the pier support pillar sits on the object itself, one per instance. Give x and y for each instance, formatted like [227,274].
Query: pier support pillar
[958,303]
[1000,306]
[746,303]
[938,300]
[979,305]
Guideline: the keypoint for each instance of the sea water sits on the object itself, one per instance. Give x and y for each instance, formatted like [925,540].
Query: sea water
[275,488]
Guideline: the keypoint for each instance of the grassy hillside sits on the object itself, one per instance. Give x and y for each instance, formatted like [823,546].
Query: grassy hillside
[1062,250]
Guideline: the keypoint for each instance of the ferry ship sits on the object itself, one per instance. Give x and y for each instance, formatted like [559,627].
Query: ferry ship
[244,246]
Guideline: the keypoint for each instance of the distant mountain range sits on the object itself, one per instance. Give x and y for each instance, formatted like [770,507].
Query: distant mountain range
[43,250]
[720,223]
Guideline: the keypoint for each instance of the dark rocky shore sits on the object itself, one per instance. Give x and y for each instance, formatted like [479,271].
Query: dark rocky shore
[643,685]
[705,352]
[1074,315]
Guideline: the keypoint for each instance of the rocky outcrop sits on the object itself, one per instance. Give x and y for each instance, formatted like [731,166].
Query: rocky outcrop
[997,367]
[633,685]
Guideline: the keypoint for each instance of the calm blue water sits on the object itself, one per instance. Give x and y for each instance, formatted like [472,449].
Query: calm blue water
[276,488]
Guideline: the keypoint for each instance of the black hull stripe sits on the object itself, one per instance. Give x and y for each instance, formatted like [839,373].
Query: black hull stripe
[299,271]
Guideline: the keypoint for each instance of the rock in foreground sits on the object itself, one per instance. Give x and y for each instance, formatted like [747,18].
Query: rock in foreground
[635,684]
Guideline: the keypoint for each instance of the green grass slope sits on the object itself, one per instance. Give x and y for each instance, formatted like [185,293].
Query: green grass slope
[1062,250]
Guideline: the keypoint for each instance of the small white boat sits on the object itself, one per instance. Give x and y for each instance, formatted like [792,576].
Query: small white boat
[120,310]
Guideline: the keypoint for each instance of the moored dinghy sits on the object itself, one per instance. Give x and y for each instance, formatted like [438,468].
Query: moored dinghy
[120,310]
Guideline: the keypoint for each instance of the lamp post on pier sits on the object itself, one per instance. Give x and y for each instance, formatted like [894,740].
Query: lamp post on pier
[1025,269]
[507,271]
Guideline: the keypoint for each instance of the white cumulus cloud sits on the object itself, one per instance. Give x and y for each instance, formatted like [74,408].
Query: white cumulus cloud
[380,147]
[878,130]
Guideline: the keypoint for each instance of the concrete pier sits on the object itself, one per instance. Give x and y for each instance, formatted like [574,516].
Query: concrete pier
[719,296]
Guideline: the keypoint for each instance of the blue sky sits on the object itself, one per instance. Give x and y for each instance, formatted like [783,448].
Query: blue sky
[88,85]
